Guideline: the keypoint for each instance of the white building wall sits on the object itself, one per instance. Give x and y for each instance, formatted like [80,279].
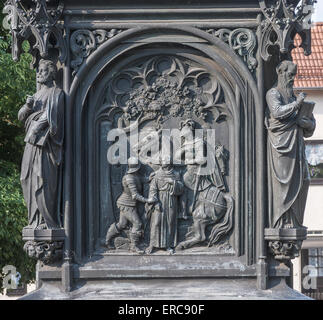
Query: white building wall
[313,217]
[317,96]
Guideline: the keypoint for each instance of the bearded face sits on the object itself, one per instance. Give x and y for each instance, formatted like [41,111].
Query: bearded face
[286,76]
[289,75]
[44,74]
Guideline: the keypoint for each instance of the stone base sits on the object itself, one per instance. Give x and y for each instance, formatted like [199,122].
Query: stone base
[285,234]
[162,276]
[285,244]
[29,234]
[166,289]
[45,245]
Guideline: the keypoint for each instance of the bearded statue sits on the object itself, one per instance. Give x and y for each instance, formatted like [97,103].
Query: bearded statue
[43,117]
[288,173]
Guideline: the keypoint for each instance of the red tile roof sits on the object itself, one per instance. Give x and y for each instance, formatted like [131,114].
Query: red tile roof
[310,68]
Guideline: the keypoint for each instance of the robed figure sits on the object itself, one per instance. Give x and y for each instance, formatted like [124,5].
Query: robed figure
[165,187]
[205,166]
[288,169]
[43,116]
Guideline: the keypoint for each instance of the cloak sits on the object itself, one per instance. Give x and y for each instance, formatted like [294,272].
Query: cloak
[288,170]
[41,163]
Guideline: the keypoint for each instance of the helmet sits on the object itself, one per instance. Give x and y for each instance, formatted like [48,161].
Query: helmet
[133,165]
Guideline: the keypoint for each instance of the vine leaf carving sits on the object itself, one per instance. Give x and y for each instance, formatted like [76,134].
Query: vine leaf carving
[83,42]
[163,88]
[243,41]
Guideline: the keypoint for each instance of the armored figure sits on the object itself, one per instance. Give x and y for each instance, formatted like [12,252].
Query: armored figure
[43,116]
[127,204]
[287,127]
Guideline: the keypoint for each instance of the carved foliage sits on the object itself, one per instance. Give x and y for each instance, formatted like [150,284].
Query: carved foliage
[46,251]
[84,42]
[164,87]
[283,19]
[38,23]
[285,243]
[243,41]
[285,250]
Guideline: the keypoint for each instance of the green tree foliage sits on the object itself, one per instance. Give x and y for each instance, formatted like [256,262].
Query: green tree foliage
[13,217]
[16,81]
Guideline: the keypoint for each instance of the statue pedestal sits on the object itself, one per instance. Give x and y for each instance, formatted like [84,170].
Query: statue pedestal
[29,234]
[285,234]
[285,243]
[45,245]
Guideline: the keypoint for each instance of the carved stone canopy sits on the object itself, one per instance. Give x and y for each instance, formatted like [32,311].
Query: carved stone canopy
[37,22]
[283,20]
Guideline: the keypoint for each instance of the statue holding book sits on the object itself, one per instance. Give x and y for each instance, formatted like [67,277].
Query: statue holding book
[288,121]
[43,116]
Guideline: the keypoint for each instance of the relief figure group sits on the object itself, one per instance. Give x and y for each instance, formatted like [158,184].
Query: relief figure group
[175,194]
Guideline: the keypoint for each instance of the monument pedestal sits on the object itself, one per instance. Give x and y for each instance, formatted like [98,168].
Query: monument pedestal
[167,289]
[30,234]
[161,276]
[45,245]
[285,243]
[133,77]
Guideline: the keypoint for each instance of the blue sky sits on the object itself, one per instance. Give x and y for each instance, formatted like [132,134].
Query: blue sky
[318,13]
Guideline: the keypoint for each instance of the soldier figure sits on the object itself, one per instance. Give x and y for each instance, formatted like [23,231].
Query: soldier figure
[132,189]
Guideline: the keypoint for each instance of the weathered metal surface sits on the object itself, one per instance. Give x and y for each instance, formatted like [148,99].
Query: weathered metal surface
[147,68]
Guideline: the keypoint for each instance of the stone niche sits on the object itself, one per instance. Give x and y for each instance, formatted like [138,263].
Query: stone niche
[164,75]
[152,67]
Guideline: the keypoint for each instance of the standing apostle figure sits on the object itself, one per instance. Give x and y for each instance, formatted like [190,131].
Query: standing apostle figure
[288,168]
[43,116]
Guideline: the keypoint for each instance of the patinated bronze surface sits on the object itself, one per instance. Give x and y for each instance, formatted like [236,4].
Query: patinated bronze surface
[286,149]
[169,143]
[288,121]
[43,117]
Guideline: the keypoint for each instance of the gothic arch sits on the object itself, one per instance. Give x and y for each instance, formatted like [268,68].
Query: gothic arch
[240,89]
